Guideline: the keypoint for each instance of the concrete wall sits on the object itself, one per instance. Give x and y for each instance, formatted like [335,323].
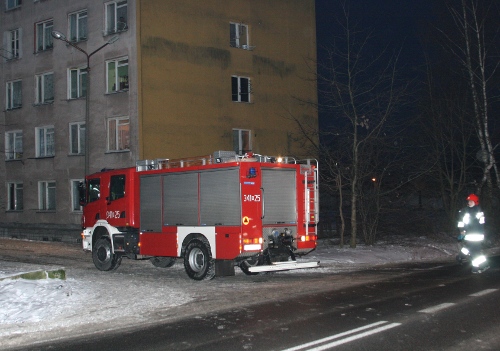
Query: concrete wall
[41,232]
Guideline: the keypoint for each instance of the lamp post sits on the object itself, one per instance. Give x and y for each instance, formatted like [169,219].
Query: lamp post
[59,36]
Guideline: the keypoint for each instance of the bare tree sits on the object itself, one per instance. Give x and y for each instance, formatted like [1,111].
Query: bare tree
[361,93]
[447,132]
[474,52]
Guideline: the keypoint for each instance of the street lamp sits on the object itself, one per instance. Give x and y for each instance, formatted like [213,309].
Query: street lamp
[59,36]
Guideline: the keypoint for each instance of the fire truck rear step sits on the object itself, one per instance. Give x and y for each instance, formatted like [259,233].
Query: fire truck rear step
[283,266]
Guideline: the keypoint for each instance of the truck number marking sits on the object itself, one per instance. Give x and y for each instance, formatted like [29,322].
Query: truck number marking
[251,198]
[112,214]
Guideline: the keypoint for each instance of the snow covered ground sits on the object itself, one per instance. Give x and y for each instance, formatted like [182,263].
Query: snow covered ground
[88,300]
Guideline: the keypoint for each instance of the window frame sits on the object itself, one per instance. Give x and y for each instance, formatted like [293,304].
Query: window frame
[12,152]
[236,90]
[239,137]
[112,15]
[236,39]
[80,138]
[15,196]
[47,132]
[81,82]
[117,139]
[10,94]
[14,43]
[78,16]
[46,193]
[16,4]
[43,35]
[111,87]
[41,88]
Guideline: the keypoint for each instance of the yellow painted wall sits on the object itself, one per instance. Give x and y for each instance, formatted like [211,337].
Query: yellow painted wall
[185,67]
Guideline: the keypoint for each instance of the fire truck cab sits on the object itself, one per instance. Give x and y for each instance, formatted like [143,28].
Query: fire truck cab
[215,212]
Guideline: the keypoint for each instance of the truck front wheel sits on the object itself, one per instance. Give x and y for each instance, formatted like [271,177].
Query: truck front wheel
[198,261]
[103,257]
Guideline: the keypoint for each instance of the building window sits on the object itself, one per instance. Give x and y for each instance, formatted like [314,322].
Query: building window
[47,195]
[240,87]
[242,141]
[117,75]
[45,141]
[12,4]
[77,138]
[75,194]
[78,26]
[44,88]
[14,145]
[116,16]
[118,134]
[238,35]
[13,44]
[43,35]
[77,83]
[13,95]
[14,196]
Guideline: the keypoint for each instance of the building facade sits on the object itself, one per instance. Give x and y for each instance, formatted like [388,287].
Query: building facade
[167,79]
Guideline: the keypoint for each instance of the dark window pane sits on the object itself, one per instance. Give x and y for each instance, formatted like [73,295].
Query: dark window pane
[234,88]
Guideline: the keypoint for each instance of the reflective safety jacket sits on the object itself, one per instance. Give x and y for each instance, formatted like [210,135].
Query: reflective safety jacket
[471,219]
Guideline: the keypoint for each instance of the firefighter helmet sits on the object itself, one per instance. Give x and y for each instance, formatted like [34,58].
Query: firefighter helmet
[473,197]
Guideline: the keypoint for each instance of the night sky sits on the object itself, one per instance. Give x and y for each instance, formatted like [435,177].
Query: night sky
[394,22]
[396,25]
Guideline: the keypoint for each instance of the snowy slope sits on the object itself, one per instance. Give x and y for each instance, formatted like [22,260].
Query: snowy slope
[88,300]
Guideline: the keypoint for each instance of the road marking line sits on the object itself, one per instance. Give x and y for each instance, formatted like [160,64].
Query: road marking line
[484,292]
[355,337]
[336,336]
[437,307]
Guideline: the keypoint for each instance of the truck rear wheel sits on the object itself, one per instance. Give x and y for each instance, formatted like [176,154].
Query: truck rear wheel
[198,261]
[162,262]
[103,257]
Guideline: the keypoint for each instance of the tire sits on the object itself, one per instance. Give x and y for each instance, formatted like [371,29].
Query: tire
[245,265]
[198,261]
[162,262]
[103,257]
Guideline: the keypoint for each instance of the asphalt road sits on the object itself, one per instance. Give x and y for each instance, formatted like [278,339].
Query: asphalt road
[415,307]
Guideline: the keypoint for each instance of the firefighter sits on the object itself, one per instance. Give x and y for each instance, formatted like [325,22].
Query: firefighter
[471,218]
[471,226]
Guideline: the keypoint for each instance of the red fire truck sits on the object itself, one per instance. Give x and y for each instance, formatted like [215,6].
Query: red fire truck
[214,212]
